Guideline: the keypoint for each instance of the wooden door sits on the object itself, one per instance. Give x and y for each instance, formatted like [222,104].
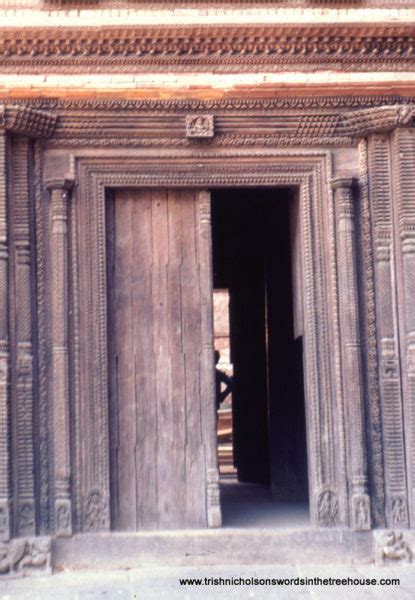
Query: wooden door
[161,359]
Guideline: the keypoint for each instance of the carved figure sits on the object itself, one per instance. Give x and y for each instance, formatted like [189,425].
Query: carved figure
[95,511]
[26,518]
[199,126]
[62,518]
[361,514]
[395,548]
[37,556]
[328,508]
[3,520]
[10,555]
[399,511]
[28,556]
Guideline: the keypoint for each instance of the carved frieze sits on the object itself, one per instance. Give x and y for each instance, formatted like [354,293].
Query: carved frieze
[227,123]
[341,46]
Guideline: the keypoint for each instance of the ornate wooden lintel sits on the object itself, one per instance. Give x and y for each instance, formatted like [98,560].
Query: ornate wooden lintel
[220,124]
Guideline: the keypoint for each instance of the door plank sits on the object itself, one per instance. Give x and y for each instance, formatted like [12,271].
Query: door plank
[125,367]
[159,352]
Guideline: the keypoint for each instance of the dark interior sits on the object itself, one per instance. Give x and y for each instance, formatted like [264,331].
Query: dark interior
[252,258]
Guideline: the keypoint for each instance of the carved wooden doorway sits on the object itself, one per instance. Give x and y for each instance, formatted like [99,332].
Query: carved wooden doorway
[160,358]
[337,470]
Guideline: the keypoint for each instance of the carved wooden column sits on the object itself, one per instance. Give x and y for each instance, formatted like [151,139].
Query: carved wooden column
[5,525]
[59,191]
[388,359]
[21,343]
[359,503]
[403,170]
[207,372]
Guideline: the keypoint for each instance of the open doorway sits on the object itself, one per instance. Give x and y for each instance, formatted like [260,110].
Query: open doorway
[255,260]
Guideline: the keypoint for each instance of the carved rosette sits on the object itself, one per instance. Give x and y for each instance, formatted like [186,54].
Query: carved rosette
[59,192]
[359,504]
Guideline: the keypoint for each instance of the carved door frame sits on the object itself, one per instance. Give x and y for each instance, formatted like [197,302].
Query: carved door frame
[335,426]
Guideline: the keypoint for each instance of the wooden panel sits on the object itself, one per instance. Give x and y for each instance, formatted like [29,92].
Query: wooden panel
[156,349]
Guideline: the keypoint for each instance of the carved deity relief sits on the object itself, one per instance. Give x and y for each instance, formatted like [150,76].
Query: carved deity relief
[4,521]
[361,513]
[399,512]
[25,518]
[95,513]
[328,509]
[63,517]
[200,126]
[213,498]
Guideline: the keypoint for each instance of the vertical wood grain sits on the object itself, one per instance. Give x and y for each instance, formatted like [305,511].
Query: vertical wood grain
[159,355]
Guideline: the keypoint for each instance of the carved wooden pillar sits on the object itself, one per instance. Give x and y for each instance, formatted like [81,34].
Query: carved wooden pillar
[59,191]
[5,525]
[389,373]
[403,169]
[22,370]
[359,503]
[207,372]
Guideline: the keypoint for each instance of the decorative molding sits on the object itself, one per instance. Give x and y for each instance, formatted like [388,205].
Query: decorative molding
[186,105]
[331,127]
[22,367]
[5,441]
[373,408]
[44,462]
[341,46]
[26,556]
[402,172]
[389,375]
[25,120]
[65,4]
